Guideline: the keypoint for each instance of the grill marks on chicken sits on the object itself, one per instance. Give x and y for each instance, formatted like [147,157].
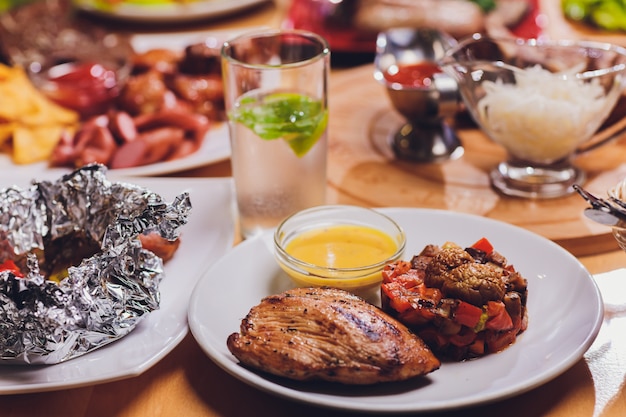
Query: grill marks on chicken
[329,334]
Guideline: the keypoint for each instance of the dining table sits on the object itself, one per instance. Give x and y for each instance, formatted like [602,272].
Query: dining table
[362,170]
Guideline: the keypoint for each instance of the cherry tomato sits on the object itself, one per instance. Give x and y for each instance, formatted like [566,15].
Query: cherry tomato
[10,266]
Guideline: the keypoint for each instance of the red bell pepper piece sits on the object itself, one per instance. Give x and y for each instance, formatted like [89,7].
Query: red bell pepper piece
[467,314]
[10,266]
[484,245]
[499,320]
[396,297]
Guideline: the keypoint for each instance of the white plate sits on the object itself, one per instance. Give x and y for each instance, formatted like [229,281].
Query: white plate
[215,147]
[208,235]
[564,304]
[172,12]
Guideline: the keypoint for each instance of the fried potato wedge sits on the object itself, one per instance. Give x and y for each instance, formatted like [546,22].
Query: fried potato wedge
[30,122]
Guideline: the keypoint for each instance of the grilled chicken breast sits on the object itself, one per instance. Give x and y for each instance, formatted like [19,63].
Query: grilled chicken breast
[329,334]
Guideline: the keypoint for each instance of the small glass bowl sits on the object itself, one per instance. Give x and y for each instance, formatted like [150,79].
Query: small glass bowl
[356,229]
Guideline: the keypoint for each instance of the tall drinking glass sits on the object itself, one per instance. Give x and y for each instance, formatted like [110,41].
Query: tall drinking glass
[275,86]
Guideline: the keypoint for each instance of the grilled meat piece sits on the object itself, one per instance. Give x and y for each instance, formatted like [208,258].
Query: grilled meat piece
[329,334]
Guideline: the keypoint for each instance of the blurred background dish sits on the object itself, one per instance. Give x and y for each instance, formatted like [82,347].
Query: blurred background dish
[214,148]
[164,10]
[77,64]
[141,80]
[351,26]
[607,15]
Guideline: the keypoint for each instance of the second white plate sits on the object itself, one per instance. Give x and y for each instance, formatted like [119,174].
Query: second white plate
[174,11]
[564,304]
[208,234]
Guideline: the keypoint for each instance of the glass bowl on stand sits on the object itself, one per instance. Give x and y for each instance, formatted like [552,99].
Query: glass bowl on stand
[543,101]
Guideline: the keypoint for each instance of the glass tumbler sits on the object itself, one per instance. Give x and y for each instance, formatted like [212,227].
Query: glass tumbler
[275,91]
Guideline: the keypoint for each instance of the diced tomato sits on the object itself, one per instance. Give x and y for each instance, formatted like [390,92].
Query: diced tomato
[10,266]
[392,270]
[409,279]
[484,245]
[413,306]
[499,319]
[467,314]
[395,296]
[434,295]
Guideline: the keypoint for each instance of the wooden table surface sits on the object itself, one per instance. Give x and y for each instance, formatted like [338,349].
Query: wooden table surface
[187,383]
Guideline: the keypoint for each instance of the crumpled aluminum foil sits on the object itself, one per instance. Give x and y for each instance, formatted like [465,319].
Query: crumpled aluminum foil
[104,297]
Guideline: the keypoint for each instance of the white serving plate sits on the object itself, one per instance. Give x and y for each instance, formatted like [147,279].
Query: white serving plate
[565,314]
[216,145]
[208,234]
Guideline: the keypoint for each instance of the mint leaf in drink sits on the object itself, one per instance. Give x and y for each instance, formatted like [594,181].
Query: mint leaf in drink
[295,118]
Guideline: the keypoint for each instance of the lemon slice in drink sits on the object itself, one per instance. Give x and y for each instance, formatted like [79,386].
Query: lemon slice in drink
[296,118]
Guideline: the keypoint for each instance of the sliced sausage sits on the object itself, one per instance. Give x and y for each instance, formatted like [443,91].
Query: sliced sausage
[149,147]
[122,126]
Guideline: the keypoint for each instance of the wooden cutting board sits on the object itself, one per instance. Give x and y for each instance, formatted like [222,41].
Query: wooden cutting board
[363,170]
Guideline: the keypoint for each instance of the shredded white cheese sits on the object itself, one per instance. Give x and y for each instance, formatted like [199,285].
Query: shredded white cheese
[544,116]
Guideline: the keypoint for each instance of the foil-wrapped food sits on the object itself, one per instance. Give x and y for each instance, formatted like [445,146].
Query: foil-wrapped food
[78,276]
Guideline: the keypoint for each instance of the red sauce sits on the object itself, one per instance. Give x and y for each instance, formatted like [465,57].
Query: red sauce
[88,88]
[414,75]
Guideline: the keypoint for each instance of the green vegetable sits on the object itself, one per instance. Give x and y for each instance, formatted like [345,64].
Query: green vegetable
[604,14]
[295,118]
[6,5]
[486,5]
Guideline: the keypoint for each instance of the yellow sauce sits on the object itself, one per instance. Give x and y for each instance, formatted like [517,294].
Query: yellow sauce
[342,246]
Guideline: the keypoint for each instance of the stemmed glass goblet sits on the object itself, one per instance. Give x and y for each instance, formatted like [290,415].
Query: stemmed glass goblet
[406,65]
